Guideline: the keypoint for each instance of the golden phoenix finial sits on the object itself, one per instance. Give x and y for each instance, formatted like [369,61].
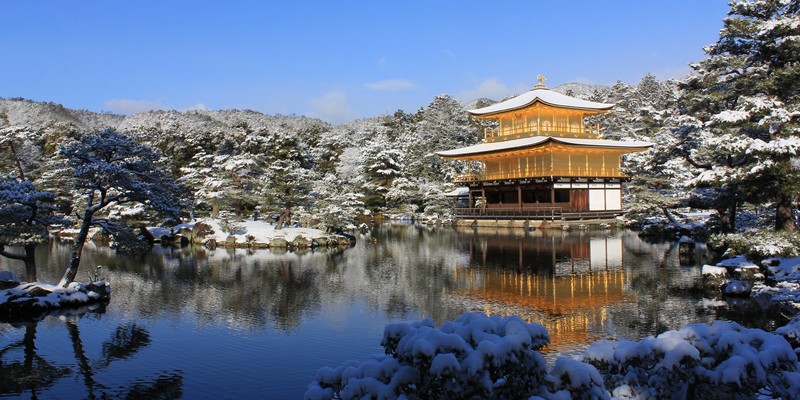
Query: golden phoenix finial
[540,78]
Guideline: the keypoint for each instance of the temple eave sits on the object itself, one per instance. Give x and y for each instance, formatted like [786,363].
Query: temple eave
[539,179]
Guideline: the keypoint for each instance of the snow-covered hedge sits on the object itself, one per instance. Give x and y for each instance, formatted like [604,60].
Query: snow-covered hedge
[721,360]
[759,243]
[477,356]
[472,356]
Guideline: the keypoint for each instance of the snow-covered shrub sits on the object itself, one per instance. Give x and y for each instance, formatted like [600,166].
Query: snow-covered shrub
[231,227]
[759,243]
[721,360]
[572,379]
[474,356]
[791,332]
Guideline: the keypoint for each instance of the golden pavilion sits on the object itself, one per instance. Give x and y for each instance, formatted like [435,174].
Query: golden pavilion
[540,160]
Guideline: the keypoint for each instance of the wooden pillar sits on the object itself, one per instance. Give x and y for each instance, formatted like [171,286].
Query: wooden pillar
[519,196]
[605,173]
[587,163]
[538,123]
[569,163]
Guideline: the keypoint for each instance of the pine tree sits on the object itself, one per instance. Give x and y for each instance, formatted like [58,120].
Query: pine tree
[111,168]
[25,214]
[747,96]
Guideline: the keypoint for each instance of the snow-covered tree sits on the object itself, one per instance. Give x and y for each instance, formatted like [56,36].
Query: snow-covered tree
[336,203]
[25,214]
[111,168]
[17,150]
[287,185]
[224,181]
[746,97]
[443,124]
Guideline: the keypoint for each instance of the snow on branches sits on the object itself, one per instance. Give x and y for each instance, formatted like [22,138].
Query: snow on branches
[112,168]
[476,356]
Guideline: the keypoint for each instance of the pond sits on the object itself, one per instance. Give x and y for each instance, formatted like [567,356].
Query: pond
[198,323]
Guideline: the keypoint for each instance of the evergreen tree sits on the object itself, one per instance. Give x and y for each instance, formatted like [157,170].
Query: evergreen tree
[25,214]
[746,95]
[110,168]
[288,185]
[444,124]
[18,153]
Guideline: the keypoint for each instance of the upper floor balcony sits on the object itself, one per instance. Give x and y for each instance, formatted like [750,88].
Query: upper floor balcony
[561,172]
[517,131]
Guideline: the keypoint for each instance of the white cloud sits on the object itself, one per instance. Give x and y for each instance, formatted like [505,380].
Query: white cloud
[332,107]
[676,72]
[584,80]
[491,88]
[128,106]
[197,107]
[391,84]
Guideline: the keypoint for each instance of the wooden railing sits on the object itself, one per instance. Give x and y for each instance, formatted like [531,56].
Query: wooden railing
[545,173]
[534,213]
[548,213]
[491,134]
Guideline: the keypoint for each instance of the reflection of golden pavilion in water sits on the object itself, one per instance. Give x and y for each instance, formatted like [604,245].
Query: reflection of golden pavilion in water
[565,283]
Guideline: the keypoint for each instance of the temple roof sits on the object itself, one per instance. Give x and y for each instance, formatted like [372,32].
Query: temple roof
[495,147]
[545,96]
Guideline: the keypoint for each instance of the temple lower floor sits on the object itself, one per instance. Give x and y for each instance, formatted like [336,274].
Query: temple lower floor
[541,198]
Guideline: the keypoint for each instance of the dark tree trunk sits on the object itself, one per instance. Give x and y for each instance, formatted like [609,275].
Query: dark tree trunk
[77,248]
[285,217]
[29,258]
[80,355]
[238,210]
[17,161]
[30,263]
[727,218]
[784,218]
[29,340]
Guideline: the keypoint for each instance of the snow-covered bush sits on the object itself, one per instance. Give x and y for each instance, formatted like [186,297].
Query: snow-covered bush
[572,379]
[791,332]
[758,244]
[474,356]
[721,360]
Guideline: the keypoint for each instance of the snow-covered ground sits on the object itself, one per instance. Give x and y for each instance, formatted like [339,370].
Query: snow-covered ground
[247,231]
[785,273]
[25,299]
[780,282]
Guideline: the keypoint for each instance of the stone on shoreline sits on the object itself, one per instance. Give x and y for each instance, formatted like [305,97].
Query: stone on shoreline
[27,300]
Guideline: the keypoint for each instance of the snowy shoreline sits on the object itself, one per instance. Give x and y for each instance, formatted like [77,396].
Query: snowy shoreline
[243,234]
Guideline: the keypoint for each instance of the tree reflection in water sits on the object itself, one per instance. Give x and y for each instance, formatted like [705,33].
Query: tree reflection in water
[229,322]
[34,373]
[31,374]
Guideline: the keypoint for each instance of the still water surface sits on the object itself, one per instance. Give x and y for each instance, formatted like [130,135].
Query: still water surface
[198,323]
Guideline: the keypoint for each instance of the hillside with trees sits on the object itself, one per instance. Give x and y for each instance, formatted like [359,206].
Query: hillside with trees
[725,142]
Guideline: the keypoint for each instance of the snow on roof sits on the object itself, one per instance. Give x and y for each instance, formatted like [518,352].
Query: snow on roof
[546,96]
[459,191]
[495,147]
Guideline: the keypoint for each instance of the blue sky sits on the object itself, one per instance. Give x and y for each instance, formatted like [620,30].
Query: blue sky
[336,60]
